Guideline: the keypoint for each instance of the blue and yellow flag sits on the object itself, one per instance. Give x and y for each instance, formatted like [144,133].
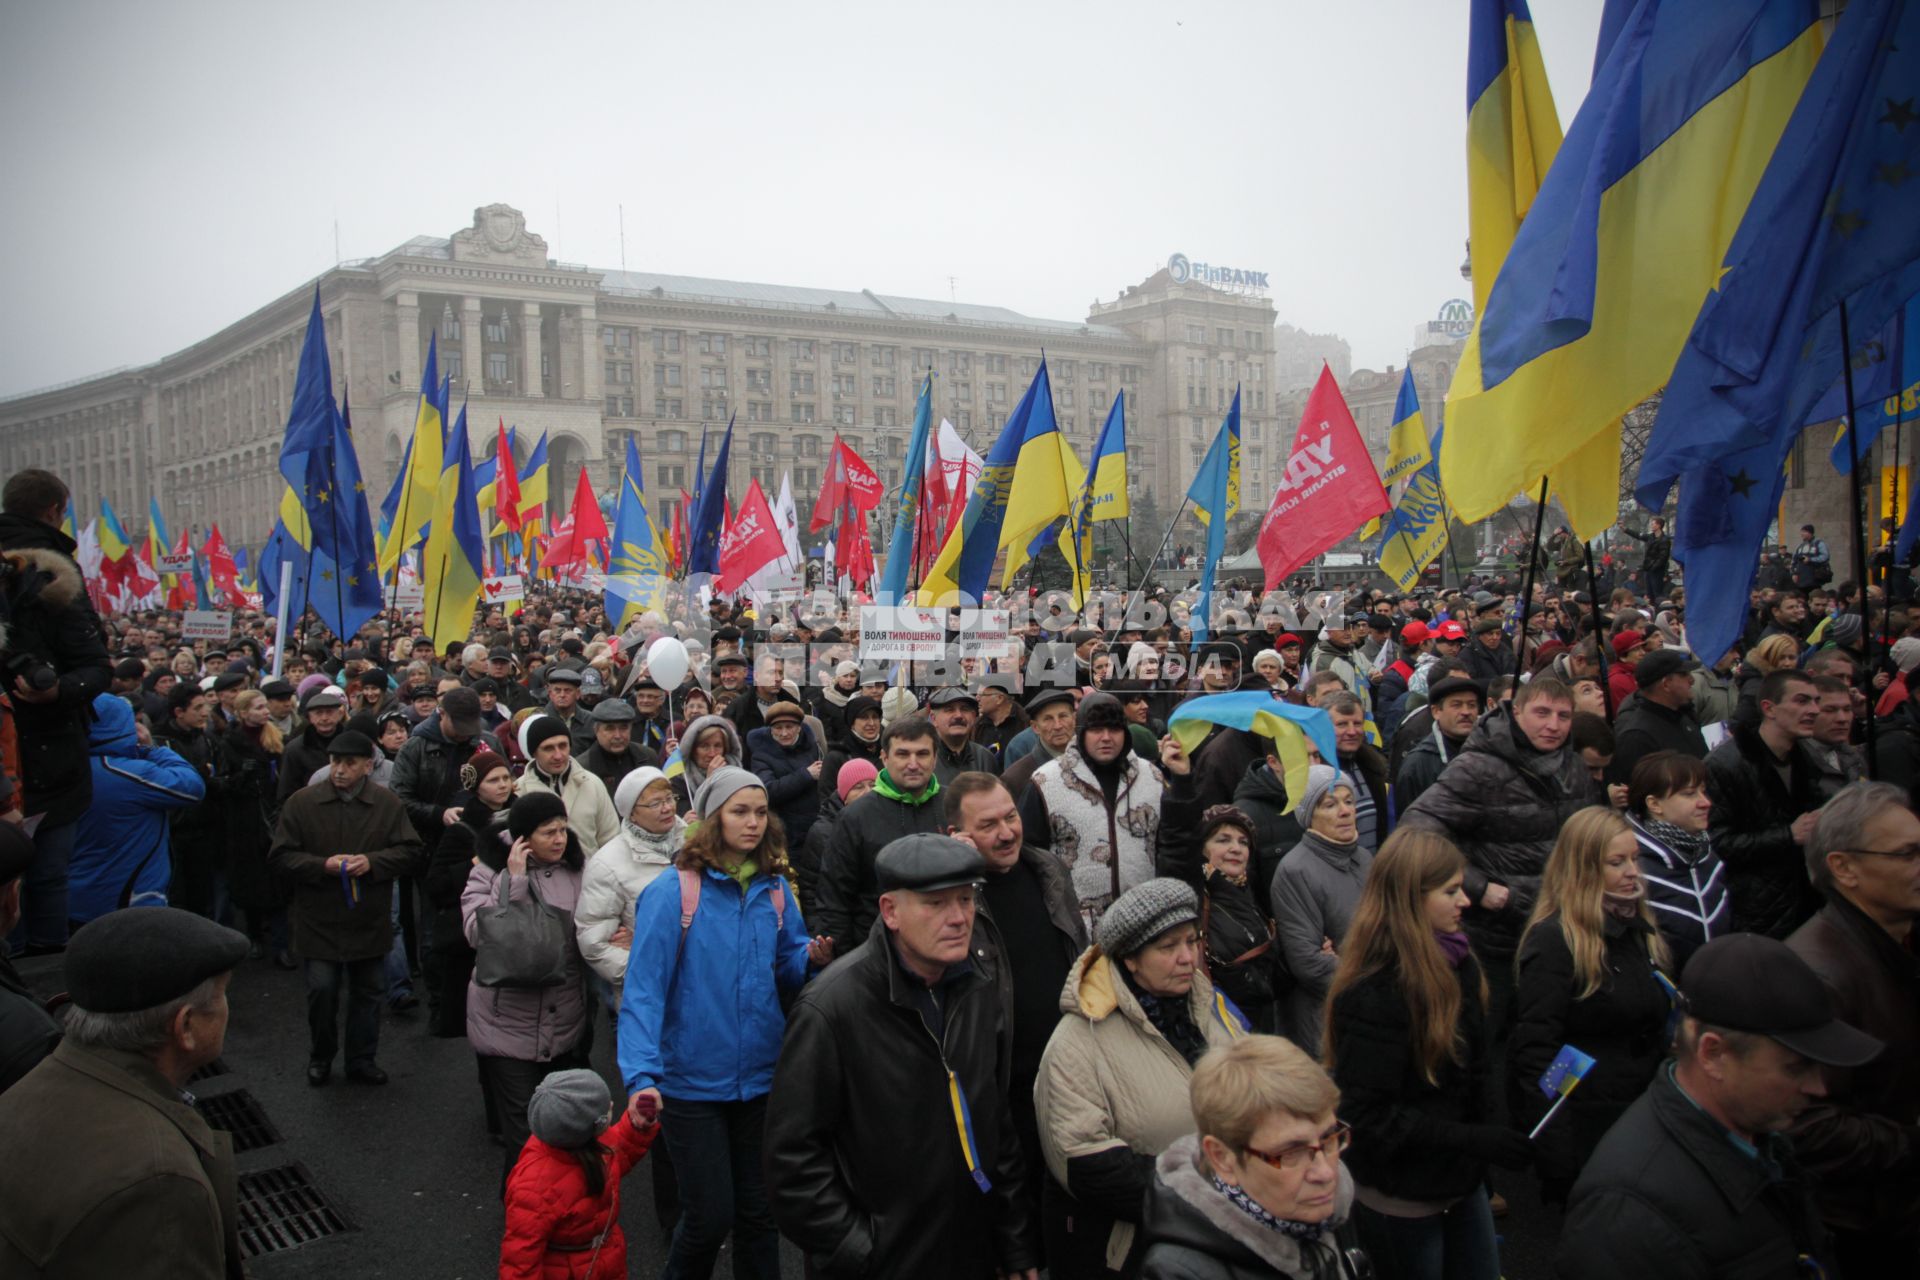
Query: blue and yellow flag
[158,543]
[1416,531]
[960,573]
[906,512]
[1407,448]
[1295,731]
[454,560]
[1046,475]
[636,567]
[114,543]
[710,511]
[1216,487]
[1101,495]
[418,484]
[1625,239]
[1827,228]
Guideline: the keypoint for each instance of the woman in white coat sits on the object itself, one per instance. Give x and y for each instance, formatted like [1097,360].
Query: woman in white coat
[650,834]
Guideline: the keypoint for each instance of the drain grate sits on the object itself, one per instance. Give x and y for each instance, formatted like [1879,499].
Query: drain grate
[241,1116]
[281,1209]
[218,1067]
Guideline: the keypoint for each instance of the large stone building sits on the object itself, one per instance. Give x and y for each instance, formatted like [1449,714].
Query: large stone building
[588,356]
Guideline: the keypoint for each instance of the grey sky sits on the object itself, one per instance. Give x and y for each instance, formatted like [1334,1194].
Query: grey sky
[174,166]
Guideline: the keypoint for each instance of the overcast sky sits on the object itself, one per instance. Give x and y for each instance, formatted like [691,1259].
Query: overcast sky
[175,166]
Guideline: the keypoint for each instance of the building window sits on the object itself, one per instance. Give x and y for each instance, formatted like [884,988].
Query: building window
[759,379]
[1096,371]
[799,382]
[1255,340]
[923,358]
[962,392]
[619,373]
[802,413]
[883,357]
[806,446]
[886,417]
[964,421]
[619,406]
[806,479]
[666,408]
[713,344]
[1197,334]
[453,365]
[449,325]
[616,338]
[1225,337]
[759,411]
[496,328]
[1099,399]
[994,364]
[713,375]
[845,384]
[843,415]
[496,366]
[758,348]
[666,342]
[763,444]
[1129,373]
[996,393]
[714,406]
[801,349]
[672,475]
[666,375]
[1066,397]
[1063,371]
[1029,366]
[884,385]
[959,362]
[673,441]
[845,353]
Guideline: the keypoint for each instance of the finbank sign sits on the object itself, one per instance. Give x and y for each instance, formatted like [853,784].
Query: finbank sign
[1226,279]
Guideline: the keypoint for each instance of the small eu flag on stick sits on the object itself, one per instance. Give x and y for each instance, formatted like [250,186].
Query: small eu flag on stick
[1568,1069]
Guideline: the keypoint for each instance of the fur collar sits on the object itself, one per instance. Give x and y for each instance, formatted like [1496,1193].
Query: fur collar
[1182,1170]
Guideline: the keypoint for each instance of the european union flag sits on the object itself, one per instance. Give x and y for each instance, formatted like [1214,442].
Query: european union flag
[1828,227]
[711,509]
[1215,492]
[1568,1068]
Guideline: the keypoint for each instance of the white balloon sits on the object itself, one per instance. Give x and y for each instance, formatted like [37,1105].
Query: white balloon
[667,662]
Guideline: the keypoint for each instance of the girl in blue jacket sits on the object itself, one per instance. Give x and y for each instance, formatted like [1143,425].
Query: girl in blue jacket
[122,847]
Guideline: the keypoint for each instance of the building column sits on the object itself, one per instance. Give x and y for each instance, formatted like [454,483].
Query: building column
[589,382]
[530,348]
[472,362]
[406,324]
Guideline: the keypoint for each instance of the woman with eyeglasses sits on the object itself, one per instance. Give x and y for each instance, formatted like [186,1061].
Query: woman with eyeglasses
[1408,1043]
[1259,1188]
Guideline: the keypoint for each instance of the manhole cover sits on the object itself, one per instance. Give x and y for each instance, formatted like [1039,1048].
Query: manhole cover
[281,1209]
[218,1067]
[240,1115]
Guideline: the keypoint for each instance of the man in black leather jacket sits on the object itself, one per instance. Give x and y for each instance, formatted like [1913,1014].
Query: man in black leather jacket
[890,1148]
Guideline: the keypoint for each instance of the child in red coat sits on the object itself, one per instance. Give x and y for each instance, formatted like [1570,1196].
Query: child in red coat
[563,1196]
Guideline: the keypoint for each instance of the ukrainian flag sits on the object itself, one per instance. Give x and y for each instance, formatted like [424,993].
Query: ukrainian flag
[421,469]
[114,543]
[1407,448]
[1046,475]
[1624,240]
[454,561]
[1101,495]
[960,573]
[1294,731]
[158,543]
[636,571]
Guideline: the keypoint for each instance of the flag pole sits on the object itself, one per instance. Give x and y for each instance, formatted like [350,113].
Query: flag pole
[1526,591]
[280,617]
[1120,624]
[1858,487]
[1599,648]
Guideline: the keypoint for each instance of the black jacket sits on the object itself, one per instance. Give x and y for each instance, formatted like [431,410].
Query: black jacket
[1503,803]
[1643,727]
[847,748]
[1237,931]
[1421,767]
[1262,796]
[792,792]
[883,1190]
[1753,814]
[1412,1138]
[610,768]
[1191,1231]
[197,826]
[449,865]
[847,897]
[304,752]
[45,616]
[1622,1027]
[1667,1194]
[426,776]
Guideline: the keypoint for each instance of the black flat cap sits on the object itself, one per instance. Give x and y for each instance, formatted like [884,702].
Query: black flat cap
[324,695]
[142,957]
[1451,685]
[351,742]
[952,694]
[462,706]
[928,862]
[1749,982]
[499,653]
[729,660]
[1662,663]
[277,688]
[229,680]
[1046,698]
[1485,625]
[613,711]
[563,675]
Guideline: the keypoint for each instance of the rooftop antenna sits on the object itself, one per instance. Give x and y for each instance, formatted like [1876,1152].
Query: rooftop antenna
[953,294]
[623,237]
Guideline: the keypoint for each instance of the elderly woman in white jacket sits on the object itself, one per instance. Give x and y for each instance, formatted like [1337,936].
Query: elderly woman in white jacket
[650,835]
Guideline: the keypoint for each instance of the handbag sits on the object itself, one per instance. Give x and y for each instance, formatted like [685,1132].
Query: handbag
[520,944]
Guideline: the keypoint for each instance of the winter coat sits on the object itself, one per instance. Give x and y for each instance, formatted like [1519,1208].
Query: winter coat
[318,822]
[1112,1089]
[1897,749]
[1262,795]
[1190,1231]
[972,757]
[47,615]
[1621,682]
[1714,697]
[846,748]
[1666,1194]
[688,783]
[553,1224]
[248,779]
[1622,1027]
[807,860]
[197,829]
[1018,776]
[1689,896]
[1108,848]
[614,877]
[1390,699]
[1421,766]
[884,1191]
[700,1019]
[792,792]
[1503,803]
[590,814]
[1485,664]
[1221,763]
[1236,931]
[530,1024]
[304,752]
[1644,727]
[1859,1142]
[1410,1134]
[426,776]
[611,768]
[120,847]
[847,896]
[1753,814]
[452,862]
[1315,890]
[126,1179]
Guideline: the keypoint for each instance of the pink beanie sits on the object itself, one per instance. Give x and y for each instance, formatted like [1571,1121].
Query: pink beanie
[852,774]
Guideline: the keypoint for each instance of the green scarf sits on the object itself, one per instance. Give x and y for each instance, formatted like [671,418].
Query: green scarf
[744,873]
[885,786]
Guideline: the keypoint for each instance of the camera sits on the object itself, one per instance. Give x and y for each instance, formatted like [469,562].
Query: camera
[39,676]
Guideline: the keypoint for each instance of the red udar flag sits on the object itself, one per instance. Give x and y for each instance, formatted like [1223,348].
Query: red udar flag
[864,489]
[749,543]
[1330,487]
[832,492]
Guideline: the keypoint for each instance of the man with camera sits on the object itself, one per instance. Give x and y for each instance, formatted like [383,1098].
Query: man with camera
[54,662]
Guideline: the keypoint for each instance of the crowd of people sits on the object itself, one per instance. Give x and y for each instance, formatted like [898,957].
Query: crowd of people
[977,969]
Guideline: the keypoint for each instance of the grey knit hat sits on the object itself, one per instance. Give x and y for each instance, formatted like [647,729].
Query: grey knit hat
[721,784]
[1845,630]
[569,1108]
[1320,780]
[1143,913]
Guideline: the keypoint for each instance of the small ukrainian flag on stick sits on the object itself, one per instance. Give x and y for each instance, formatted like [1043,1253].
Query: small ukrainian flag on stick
[1568,1069]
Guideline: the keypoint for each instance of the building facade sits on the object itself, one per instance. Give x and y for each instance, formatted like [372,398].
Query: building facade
[591,356]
